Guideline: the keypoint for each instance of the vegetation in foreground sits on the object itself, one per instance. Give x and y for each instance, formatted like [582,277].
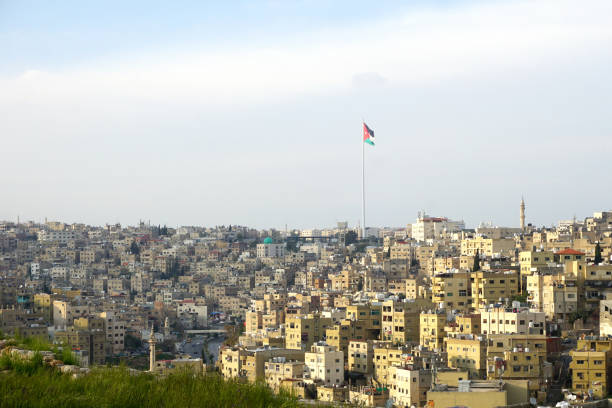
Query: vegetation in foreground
[64,354]
[29,383]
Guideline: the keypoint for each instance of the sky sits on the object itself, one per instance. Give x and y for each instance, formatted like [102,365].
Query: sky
[249,112]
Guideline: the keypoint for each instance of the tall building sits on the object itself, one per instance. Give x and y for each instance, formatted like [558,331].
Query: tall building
[324,363]
[522,214]
[427,227]
[152,351]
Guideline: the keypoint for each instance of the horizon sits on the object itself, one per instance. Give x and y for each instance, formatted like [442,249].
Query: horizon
[351,226]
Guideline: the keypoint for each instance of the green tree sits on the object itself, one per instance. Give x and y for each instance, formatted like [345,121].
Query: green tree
[132,342]
[291,245]
[476,261]
[598,257]
[350,238]
[134,248]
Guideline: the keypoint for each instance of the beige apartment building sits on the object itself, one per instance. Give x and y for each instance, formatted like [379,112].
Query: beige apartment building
[238,362]
[531,261]
[445,263]
[464,324]
[302,331]
[115,332]
[488,246]
[591,364]
[467,352]
[400,320]
[432,332]
[361,356]
[279,369]
[339,335]
[452,290]
[386,356]
[488,287]
[401,250]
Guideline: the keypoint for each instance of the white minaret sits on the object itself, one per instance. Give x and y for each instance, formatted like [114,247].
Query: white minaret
[152,351]
[522,214]
[166,328]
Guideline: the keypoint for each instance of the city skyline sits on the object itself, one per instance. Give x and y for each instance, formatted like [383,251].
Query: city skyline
[251,114]
[353,226]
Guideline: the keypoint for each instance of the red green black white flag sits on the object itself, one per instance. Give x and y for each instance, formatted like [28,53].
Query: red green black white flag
[368,135]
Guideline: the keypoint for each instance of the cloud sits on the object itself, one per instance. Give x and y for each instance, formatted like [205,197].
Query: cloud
[203,124]
[415,48]
[369,80]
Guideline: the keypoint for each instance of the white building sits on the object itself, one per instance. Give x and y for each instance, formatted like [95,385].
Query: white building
[190,312]
[512,320]
[408,387]
[61,237]
[270,250]
[426,227]
[60,272]
[605,317]
[35,270]
[325,364]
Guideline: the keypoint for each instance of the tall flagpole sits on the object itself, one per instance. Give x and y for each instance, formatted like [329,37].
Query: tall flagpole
[363,233]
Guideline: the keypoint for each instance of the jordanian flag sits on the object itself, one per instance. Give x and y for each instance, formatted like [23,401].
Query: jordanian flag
[368,135]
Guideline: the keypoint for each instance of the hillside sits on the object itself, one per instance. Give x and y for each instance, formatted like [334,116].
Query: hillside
[118,387]
[36,378]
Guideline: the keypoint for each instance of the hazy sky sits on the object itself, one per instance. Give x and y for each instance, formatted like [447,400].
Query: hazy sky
[207,113]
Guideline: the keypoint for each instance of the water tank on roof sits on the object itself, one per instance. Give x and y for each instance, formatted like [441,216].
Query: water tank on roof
[464,385]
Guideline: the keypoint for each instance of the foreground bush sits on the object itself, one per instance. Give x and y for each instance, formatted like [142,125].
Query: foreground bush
[117,387]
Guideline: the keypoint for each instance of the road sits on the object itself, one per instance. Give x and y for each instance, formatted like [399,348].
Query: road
[194,347]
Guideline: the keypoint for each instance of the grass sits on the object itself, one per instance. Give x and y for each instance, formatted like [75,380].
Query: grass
[117,387]
[21,366]
[40,344]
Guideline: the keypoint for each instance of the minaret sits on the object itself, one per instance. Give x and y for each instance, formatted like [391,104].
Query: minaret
[522,214]
[166,329]
[152,351]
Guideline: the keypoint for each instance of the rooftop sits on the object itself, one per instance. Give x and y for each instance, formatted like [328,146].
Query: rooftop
[569,251]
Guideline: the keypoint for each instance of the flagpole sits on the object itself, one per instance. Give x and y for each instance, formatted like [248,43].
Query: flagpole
[363,233]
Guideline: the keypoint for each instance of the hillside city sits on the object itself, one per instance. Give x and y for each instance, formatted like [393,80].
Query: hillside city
[432,314]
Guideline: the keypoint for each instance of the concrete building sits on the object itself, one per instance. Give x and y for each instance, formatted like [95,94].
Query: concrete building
[361,356]
[268,249]
[325,364]
[489,247]
[302,331]
[428,228]
[408,386]
[605,318]
[452,290]
[279,369]
[591,366]
[512,320]
[489,287]
[400,320]
[432,325]
[467,352]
